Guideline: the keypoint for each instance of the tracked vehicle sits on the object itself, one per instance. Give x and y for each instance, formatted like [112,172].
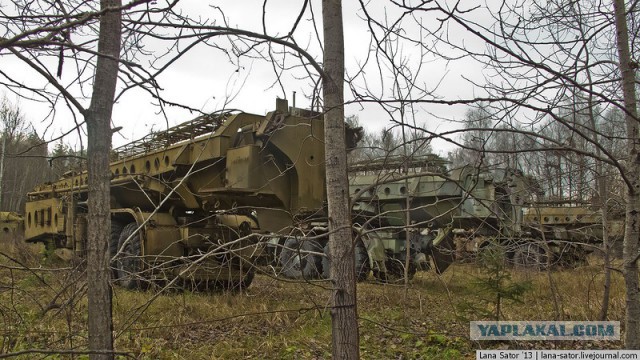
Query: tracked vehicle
[189,202]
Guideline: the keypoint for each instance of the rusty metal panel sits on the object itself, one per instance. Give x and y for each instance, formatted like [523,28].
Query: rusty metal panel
[162,241]
[243,170]
[44,217]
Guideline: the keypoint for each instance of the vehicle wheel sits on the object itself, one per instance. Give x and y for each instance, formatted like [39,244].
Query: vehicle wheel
[530,256]
[297,262]
[361,261]
[116,230]
[129,262]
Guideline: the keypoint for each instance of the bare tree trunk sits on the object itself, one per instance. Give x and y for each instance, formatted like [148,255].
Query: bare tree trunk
[606,248]
[632,226]
[4,150]
[603,195]
[407,260]
[344,314]
[98,118]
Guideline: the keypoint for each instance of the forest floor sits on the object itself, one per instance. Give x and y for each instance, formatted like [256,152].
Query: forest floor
[45,308]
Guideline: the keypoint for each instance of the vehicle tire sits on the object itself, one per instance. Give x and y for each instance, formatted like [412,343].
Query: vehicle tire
[114,239]
[361,261]
[297,262]
[129,262]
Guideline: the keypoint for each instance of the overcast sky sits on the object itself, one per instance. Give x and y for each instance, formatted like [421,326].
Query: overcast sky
[205,79]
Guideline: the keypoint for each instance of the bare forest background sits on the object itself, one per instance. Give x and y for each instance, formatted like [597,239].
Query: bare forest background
[26,160]
[550,91]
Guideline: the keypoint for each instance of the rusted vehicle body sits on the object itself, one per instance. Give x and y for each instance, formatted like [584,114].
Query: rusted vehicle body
[201,201]
[189,203]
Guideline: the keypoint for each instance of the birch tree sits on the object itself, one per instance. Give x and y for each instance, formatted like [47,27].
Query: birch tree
[22,157]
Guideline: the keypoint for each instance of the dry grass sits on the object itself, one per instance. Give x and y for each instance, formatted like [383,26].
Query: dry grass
[273,319]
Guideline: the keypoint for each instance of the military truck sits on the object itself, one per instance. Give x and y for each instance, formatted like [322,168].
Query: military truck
[565,234]
[381,191]
[468,208]
[198,201]
[440,204]
[534,235]
[189,203]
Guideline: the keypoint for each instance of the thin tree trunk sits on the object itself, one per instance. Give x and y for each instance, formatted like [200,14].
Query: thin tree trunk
[344,325]
[632,226]
[603,195]
[606,248]
[98,118]
[2,158]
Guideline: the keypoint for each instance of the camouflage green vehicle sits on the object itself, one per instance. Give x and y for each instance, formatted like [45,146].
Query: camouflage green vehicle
[565,235]
[440,203]
[464,209]
[533,235]
[405,217]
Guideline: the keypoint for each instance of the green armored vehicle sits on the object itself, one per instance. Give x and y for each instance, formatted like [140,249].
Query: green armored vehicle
[394,242]
[441,205]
